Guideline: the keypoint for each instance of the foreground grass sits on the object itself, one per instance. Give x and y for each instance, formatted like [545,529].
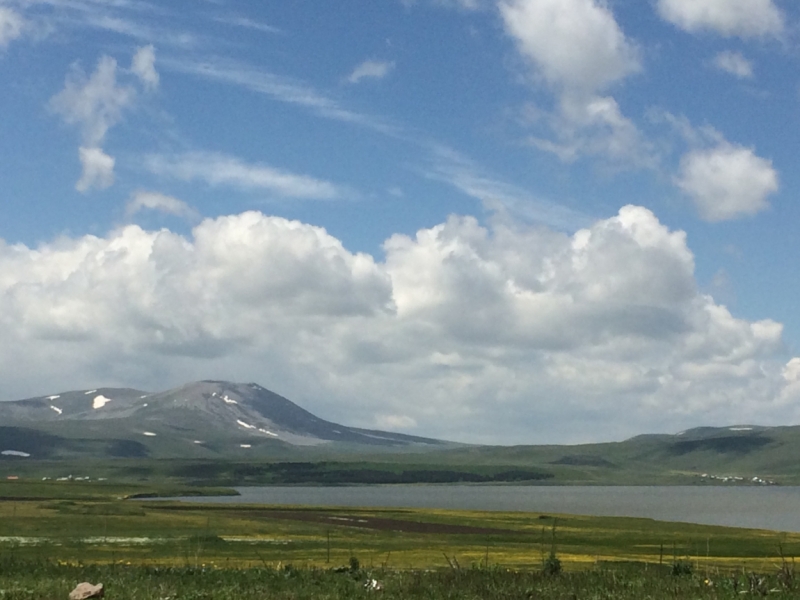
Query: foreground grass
[24,580]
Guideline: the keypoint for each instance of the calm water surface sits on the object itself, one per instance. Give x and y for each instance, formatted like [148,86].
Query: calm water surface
[776,508]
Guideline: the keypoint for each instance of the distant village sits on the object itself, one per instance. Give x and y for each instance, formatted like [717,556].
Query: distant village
[67,478]
[737,479]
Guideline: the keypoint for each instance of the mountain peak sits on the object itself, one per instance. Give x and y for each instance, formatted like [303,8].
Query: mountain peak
[197,418]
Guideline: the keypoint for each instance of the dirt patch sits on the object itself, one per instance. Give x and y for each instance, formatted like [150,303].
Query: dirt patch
[335,517]
[381,524]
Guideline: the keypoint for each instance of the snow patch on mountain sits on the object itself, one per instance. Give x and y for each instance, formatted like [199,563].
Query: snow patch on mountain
[100,401]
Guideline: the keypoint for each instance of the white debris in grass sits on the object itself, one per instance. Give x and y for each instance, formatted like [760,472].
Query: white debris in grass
[132,541]
[22,541]
[123,540]
[348,519]
[149,434]
[100,402]
[245,425]
[15,453]
[255,540]
[55,408]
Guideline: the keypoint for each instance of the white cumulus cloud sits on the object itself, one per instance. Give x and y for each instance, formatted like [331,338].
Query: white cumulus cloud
[727,181]
[223,170]
[579,50]
[734,63]
[370,69]
[98,170]
[574,44]
[744,18]
[508,334]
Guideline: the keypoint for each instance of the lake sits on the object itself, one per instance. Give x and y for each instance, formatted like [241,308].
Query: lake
[774,507]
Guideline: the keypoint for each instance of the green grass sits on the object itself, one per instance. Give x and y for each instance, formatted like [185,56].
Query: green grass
[90,522]
[56,535]
[31,580]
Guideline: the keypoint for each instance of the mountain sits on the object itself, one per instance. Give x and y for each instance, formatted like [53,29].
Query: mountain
[205,419]
[243,433]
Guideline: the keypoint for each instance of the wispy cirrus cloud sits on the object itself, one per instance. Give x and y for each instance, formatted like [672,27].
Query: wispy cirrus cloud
[218,169]
[465,5]
[498,196]
[279,88]
[143,66]
[98,169]
[141,21]
[743,18]
[247,23]
[11,26]
[734,63]
[370,69]
[156,201]
[96,103]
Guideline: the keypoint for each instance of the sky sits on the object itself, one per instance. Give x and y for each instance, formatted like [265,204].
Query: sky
[490,221]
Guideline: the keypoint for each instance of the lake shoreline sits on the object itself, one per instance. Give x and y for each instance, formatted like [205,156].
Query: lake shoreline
[755,507]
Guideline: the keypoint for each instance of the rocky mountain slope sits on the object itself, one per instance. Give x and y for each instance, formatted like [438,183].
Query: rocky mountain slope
[205,419]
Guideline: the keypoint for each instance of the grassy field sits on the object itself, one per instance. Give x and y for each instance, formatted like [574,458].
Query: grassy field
[93,523]
[53,535]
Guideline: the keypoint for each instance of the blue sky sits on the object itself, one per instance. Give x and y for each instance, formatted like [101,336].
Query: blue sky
[511,221]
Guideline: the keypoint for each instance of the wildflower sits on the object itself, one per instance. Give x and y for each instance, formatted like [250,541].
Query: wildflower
[373,584]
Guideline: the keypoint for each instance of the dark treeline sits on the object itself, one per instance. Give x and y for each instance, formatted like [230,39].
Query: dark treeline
[345,473]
